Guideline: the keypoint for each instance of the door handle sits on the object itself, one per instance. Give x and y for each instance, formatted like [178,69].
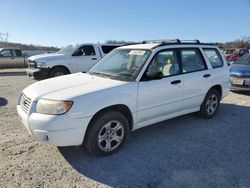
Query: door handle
[206,75]
[94,58]
[176,82]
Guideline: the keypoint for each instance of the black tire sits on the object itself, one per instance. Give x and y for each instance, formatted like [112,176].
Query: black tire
[206,106]
[97,129]
[58,71]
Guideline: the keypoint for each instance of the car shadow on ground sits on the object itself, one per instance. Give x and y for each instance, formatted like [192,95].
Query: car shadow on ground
[183,152]
[3,101]
[247,93]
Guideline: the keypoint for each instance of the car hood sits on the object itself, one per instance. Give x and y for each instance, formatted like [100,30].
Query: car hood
[46,57]
[69,86]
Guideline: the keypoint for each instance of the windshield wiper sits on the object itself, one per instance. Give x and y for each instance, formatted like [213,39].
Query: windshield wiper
[109,76]
[100,74]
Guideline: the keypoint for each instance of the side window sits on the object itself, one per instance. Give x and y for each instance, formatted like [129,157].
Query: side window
[214,57]
[192,60]
[6,53]
[86,50]
[165,62]
[18,53]
[107,49]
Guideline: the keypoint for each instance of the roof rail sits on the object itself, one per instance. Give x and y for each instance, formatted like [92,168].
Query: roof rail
[164,41]
[161,41]
[191,41]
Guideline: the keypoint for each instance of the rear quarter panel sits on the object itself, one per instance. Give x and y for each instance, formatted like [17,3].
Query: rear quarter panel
[220,75]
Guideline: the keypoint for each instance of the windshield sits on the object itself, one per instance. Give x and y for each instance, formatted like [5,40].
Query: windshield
[68,50]
[121,64]
[245,59]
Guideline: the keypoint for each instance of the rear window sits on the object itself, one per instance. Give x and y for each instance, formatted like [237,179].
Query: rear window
[214,57]
[18,53]
[245,60]
[107,49]
[192,60]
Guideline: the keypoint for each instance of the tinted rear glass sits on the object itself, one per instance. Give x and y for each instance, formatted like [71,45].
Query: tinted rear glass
[107,49]
[245,59]
[18,53]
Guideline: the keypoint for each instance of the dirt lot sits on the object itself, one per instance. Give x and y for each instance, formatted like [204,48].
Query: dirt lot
[182,152]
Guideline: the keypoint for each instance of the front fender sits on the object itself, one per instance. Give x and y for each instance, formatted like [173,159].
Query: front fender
[88,105]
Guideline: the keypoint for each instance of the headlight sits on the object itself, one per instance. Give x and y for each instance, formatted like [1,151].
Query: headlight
[42,65]
[53,107]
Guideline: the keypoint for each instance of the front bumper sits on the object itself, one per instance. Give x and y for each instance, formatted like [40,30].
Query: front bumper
[240,83]
[58,130]
[38,73]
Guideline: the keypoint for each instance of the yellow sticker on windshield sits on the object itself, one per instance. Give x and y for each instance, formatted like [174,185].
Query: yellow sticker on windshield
[136,52]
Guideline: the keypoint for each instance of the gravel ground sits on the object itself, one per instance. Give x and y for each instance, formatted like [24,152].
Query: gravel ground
[183,152]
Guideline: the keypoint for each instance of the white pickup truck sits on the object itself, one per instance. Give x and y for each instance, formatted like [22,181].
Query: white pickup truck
[70,59]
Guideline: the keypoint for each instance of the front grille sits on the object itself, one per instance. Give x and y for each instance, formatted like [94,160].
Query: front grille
[24,102]
[32,64]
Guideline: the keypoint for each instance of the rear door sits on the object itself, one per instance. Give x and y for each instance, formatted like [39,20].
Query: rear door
[84,58]
[196,77]
[7,59]
[18,58]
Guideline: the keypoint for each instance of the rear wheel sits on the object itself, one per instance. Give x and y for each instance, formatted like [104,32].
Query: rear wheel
[58,71]
[210,104]
[106,133]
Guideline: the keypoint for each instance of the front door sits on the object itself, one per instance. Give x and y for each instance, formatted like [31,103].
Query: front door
[7,59]
[159,98]
[83,59]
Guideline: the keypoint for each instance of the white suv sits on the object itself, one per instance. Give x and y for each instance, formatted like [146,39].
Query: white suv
[132,87]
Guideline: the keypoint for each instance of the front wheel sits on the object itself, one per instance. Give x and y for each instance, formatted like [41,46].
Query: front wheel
[58,71]
[106,133]
[210,104]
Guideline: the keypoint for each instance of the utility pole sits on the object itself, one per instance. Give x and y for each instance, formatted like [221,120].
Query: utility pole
[4,37]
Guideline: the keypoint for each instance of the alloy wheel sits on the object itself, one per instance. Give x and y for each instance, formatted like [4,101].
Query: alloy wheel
[110,135]
[212,104]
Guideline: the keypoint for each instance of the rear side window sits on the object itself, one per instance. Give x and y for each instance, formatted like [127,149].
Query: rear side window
[192,60]
[214,57]
[18,53]
[86,50]
[107,49]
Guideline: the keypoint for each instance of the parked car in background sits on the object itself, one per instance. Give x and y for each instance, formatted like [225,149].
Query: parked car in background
[71,59]
[233,54]
[12,58]
[240,73]
[132,87]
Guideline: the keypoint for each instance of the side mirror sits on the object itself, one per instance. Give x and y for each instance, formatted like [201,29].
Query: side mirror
[154,75]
